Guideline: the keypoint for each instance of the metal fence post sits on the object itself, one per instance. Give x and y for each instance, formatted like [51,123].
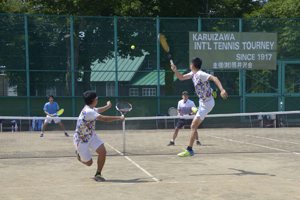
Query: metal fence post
[72,64]
[158,65]
[27,64]
[116,57]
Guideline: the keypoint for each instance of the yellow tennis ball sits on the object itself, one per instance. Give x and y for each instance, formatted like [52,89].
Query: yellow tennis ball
[132,46]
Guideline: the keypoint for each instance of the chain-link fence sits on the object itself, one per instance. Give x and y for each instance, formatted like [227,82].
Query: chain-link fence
[67,55]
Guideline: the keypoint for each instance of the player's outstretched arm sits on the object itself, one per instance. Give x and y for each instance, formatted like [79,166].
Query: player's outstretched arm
[179,76]
[104,108]
[224,94]
[110,118]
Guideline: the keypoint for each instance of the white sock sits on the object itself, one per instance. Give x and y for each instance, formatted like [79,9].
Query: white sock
[172,140]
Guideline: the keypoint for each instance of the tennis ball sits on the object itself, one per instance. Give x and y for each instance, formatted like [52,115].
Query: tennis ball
[132,46]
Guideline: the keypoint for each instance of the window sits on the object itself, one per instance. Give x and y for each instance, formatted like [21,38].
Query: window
[93,86]
[149,92]
[50,91]
[133,91]
[12,91]
[149,64]
[110,89]
[2,72]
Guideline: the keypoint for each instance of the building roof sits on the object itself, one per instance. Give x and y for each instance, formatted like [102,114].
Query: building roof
[128,72]
[150,78]
[105,71]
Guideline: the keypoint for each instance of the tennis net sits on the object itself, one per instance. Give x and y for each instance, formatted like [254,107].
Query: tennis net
[150,135]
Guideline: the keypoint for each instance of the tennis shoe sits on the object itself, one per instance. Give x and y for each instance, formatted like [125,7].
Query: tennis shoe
[171,143]
[66,134]
[78,156]
[99,178]
[186,153]
[42,134]
[198,143]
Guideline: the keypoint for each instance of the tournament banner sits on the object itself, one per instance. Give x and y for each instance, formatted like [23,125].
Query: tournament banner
[234,50]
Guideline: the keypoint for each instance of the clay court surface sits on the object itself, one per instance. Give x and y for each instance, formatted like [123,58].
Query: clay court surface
[235,164]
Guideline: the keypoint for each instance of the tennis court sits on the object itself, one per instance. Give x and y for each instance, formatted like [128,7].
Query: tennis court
[243,163]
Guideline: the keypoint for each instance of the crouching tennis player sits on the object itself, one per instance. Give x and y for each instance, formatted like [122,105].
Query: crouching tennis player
[85,137]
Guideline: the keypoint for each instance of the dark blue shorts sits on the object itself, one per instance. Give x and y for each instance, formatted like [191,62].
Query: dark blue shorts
[183,122]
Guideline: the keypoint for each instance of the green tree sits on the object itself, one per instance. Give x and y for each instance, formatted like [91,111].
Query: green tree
[288,36]
[189,8]
[53,32]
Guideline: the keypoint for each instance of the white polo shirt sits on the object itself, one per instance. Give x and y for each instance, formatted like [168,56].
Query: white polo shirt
[185,107]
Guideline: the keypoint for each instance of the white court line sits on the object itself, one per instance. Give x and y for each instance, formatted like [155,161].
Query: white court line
[255,145]
[272,139]
[138,166]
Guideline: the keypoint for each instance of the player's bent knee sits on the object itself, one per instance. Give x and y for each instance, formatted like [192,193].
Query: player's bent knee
[89,163]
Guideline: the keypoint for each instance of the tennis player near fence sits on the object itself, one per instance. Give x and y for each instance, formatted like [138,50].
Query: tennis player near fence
[184,107]
[50,109]
[85,136]
[204,92]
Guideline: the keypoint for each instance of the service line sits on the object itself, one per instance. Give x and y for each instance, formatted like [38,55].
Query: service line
[255,145]
[137,165]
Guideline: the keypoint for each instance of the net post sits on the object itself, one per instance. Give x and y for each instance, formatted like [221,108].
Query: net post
[124,137]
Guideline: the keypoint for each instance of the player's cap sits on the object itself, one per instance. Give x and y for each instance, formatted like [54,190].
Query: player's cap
[185,92]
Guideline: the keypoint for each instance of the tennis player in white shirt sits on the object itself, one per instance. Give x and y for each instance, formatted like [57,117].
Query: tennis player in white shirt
[184,107]
[204,92]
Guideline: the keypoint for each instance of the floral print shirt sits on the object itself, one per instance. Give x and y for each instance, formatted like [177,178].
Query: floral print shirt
[85,127]
[201,84]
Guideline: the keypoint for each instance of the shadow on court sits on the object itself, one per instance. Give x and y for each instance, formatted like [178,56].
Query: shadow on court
[231,164]
[242,173]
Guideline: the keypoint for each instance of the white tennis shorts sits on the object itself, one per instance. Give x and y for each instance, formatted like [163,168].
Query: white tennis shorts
[50,120]
[83,148]
[205,107]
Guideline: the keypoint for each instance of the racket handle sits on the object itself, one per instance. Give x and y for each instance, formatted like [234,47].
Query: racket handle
[171,61]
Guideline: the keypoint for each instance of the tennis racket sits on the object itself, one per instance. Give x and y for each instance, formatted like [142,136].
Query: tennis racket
[60,112]
[123,107]
[172,111]
[163,41]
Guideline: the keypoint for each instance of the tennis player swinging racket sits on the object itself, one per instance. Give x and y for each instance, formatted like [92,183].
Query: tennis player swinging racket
[204,91]
[202,88]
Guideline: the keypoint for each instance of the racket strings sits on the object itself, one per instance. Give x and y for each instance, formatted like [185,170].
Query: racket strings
[60,112]
[172,112]
[123,107]
[163,42]
[165,46]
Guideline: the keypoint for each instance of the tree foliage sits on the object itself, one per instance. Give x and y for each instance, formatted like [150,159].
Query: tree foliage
[288,35]
[277,9]
[49,35]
